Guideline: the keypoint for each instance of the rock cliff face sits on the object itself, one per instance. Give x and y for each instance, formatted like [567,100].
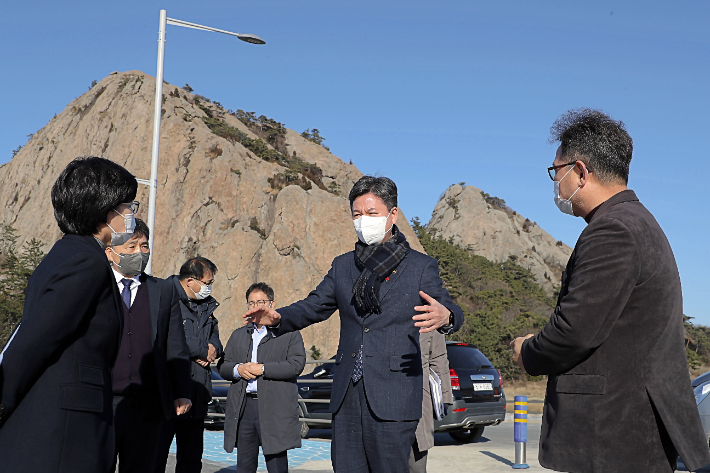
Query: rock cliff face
[224,195]
[486,226]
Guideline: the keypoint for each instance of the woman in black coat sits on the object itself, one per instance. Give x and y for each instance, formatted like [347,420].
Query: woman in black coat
[55,382]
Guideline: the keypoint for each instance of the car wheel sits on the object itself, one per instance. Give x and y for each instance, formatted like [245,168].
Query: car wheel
[304,425]
[468,436]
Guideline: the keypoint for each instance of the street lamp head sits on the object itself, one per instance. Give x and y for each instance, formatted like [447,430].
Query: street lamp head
[251,38]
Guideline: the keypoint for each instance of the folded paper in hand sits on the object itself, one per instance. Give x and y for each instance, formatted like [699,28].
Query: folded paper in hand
[437,398]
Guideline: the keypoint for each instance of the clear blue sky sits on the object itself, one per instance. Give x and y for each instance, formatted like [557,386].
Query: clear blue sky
[428,93]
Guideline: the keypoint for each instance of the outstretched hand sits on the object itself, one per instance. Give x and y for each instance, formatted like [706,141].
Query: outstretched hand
[262,316]
[433,316]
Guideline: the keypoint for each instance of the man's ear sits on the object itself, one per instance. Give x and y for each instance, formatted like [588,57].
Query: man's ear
[395,214]
[583,173]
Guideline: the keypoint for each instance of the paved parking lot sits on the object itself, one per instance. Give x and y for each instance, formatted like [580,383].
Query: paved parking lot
[494,452]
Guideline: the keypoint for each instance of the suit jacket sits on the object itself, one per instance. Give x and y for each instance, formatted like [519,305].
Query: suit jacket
[56,382]
[392,368]
[170,353]
[433,345]
[284,358]
[619,396]
[200,328]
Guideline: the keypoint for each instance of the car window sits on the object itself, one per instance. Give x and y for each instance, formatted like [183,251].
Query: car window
[464,357]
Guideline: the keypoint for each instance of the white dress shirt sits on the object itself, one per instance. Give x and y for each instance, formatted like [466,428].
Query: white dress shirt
[134,285]
[256,337]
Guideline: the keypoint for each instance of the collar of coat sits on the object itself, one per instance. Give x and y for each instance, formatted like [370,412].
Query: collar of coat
[624,196]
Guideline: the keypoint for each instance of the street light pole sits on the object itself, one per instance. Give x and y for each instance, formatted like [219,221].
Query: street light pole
[153,183]
[156,138]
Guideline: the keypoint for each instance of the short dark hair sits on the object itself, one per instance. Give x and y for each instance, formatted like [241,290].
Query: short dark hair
[87,190]
[195,268]
[596,139]
[382,187]
[141,229]
[263,287]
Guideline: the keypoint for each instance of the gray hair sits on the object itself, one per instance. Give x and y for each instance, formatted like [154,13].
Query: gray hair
[382,187]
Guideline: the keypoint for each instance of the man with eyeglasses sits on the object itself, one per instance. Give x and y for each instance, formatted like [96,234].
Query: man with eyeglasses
[194,287]
[619,396]
[262,403]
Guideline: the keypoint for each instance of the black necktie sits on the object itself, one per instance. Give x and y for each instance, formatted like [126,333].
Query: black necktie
[126,293]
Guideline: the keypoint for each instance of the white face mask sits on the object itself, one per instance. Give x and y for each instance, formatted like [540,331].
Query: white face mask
[371,230]
[565,205]
[204,293]
[120,238]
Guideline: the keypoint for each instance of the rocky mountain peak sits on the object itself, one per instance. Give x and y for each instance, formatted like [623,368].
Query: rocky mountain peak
[488,227]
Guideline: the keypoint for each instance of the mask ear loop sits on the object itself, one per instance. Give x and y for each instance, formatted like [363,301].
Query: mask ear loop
[388,216]
[573,194]
[114,252]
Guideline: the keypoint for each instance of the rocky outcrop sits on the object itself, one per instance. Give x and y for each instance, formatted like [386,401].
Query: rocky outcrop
[487,227]
[216,197]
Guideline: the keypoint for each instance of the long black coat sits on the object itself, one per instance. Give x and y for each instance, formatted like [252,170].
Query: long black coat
[170,352]
[619,396]
[201,328]
[284,358]
[392,365]
[55,381]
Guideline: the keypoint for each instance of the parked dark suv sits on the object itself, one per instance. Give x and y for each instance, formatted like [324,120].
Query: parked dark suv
[217,407]
[477,387]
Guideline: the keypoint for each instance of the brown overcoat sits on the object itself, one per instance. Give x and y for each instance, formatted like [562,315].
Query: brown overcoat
[619,396]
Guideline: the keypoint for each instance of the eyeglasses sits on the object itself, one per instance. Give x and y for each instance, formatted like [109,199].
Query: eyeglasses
[552,170]
[208,283]
[133,205]
[252,304]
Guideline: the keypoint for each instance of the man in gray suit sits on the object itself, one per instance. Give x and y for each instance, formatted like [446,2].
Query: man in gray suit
[434,356]
[386,294]
[618,396]
[262,403]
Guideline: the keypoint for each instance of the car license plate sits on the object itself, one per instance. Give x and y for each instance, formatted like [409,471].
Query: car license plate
[483,386]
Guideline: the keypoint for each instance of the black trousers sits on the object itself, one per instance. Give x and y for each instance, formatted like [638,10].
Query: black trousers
[188,435]
[364,443]
[249,439]
[137,428]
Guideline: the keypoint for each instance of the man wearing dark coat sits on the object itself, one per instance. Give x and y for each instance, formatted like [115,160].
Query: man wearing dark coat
[151,377]
[386,293]
[619,395]
[55,374]
[262,403]
[197,306]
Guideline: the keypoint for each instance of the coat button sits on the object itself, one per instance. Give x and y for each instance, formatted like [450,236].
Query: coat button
[129,356]
[367,329]
[129,333]
[354,355]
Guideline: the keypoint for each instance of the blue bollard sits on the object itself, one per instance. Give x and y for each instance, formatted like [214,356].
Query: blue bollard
[520,417]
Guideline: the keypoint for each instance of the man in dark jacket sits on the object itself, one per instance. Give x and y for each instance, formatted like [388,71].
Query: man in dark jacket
[619,397]
[151,378]
[262,404]
[194,288]
[55,381]
[387,294]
